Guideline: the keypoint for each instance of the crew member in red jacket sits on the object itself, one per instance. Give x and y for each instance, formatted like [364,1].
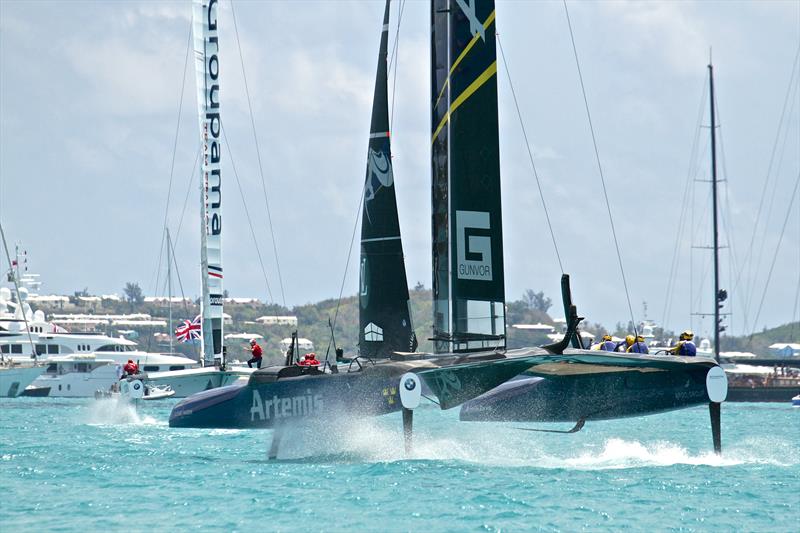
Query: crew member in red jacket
[255,350]
[130,368]
[310,359]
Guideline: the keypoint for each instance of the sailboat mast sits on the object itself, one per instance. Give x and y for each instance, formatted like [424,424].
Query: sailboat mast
[205,29]
[716,298]
[169,287]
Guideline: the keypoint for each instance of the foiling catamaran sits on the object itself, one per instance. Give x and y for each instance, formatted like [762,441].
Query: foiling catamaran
[468,280]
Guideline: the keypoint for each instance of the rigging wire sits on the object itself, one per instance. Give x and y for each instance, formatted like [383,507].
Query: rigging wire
[600,169]
[247,215]
[797,291]
[188,192]
[690,176]
[775,255]
[727,223]
[260,166]
[769,210]
[174,151]
[747,263]
[530,154]
[395,50]
[349,254]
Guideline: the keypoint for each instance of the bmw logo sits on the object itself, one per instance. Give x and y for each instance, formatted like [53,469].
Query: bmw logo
[136,386]
[410,384]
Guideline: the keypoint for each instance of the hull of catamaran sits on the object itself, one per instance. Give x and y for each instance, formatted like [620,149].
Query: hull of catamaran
[290,393]
[188,382]
[596,392]
[14,379]
[269,399]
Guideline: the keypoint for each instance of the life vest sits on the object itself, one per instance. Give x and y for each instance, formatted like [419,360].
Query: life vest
[608,346]
[688,349]
[256,351]
[638,347]
[131,368]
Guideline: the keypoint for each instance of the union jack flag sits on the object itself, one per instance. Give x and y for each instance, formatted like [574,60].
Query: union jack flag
[189,330]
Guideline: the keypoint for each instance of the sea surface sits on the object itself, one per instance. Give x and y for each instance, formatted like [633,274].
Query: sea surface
[87,465]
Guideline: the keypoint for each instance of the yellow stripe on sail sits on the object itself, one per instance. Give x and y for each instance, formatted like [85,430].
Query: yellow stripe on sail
[474,86]
[463,54]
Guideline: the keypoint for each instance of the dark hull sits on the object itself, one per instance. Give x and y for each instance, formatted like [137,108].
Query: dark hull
[762,394]
[589,397]
[579,384]
[262,405]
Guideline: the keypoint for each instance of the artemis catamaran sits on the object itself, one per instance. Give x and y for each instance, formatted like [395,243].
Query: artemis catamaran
[469,312]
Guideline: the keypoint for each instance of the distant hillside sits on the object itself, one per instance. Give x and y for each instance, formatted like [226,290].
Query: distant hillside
[312,321]
[760,342]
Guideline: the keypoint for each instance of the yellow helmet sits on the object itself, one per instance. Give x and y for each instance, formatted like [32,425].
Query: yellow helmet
[687,335]
[629,340]
[606,337]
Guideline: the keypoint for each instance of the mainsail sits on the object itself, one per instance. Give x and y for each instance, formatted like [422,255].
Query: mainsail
[206,54]
[468,285]
[384,318]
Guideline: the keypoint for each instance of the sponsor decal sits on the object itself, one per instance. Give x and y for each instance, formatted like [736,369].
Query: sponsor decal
[473,245]
[373,333]
[276,407]
[364,282]
[445,383]
[475,25]
[390,393]
[212,127]
[215,299]
[379,174]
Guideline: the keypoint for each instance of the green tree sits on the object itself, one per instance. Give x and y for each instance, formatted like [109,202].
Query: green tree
[537,300]
[133,293]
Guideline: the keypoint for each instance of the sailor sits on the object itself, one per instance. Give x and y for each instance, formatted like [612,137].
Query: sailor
[255,351]
[686,345]
[624,346]
[309,359]
[130,368]
[639,346]
[606,345]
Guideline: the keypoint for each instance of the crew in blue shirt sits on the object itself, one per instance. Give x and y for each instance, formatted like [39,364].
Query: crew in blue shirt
[639,346]
[606,345]
[686,345]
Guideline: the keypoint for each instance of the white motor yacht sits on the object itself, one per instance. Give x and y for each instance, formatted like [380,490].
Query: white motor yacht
[15,377]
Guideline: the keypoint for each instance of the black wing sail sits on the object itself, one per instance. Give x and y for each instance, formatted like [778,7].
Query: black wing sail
[468,284]
[384,315]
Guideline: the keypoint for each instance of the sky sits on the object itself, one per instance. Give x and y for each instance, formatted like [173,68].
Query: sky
[90,133]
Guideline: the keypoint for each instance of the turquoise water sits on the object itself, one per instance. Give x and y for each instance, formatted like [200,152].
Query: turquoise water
[85,465]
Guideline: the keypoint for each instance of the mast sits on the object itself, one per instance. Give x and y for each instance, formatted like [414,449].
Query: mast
[717,295]
[467,236]
[206,53]
[385,324]
[169,287]
[15,275]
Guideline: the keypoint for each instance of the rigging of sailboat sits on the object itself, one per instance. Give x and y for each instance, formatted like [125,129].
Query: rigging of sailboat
[469,314]
[214,373]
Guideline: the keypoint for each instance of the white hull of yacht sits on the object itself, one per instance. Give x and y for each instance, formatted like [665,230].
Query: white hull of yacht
[79,384]
[14,379]
[188,382]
